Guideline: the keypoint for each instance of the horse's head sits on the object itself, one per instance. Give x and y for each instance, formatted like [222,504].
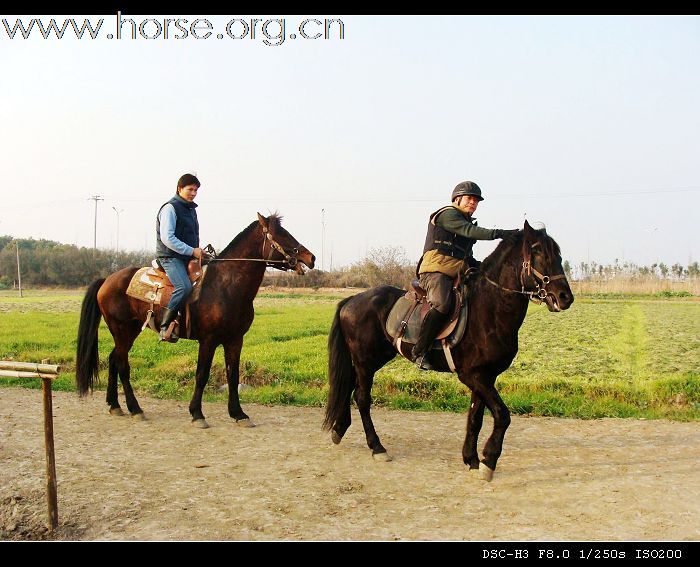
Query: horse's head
[542,271]
[282,248]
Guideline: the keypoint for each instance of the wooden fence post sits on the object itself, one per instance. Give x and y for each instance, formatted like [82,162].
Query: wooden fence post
[46,372]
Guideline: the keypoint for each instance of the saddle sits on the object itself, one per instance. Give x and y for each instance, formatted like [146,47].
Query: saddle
[152,285]
[405,319]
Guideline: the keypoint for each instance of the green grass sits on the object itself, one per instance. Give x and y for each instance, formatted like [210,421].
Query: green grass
[605,357]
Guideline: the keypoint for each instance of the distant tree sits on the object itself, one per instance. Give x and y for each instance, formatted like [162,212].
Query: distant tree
[387,265]
[567,268]
[4,241]
[584,270]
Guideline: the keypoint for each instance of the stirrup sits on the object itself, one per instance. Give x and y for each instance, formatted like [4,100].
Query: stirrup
[423,363]
[170,335]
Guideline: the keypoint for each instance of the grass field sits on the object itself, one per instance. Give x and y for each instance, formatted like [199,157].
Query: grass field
[608,356]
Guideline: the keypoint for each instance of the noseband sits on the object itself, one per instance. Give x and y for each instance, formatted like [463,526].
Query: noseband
[540,293]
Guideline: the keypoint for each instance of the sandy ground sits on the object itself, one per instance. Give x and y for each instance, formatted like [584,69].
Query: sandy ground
[162,479]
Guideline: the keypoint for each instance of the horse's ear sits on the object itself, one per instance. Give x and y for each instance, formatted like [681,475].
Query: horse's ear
[263,221]
[528,233]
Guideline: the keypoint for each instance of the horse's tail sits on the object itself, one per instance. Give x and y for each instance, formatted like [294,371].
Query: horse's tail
[87,359]
[341,373]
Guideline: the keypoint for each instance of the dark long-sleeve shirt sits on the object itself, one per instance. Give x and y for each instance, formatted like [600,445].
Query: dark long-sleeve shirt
[454,221]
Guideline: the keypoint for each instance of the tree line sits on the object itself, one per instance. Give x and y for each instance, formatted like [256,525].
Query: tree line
[390,266]
[50,263]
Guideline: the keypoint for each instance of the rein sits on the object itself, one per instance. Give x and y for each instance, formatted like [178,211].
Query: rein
[289,259]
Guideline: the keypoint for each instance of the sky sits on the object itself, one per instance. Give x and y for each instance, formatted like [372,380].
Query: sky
[589,126]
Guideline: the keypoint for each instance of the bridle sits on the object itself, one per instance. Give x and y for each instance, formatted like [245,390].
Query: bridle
[540,293]
[291,260]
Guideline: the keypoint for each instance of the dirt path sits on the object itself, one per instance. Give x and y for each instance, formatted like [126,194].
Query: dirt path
[162,479]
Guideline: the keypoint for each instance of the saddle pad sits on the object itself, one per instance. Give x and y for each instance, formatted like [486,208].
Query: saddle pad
[147,285]
[452,332]
[153,286]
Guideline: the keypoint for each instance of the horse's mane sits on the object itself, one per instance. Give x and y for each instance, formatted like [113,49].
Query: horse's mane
[497,257]
[274,220]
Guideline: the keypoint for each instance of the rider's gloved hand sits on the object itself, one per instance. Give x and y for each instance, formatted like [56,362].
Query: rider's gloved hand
[508,235]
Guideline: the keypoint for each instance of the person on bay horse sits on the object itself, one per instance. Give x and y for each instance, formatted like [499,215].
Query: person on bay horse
[452,232]
[177,242]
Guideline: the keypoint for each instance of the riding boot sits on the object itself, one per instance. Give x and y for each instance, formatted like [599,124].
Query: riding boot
[169,315]
[429,330]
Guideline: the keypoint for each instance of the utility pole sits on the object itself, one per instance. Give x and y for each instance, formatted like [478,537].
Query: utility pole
[94,242]
[323,235]
[19,272]
[118,211]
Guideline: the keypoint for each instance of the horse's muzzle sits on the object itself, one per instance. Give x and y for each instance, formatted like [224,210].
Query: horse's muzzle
[559,300]
[303,262]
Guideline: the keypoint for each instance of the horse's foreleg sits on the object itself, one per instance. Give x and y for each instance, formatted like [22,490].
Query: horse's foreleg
[475,418]
[206,355]
[501,421]
[232,354]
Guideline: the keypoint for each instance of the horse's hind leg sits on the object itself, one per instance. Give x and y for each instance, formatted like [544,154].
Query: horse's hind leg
[112,392]
[363,398]
[120,355]
[475,418]
[343,423]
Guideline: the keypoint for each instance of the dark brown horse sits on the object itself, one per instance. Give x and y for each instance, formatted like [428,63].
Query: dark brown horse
[526,267]
[221,316]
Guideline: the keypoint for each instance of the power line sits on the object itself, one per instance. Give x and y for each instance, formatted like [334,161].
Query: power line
[394,201]
[439,199]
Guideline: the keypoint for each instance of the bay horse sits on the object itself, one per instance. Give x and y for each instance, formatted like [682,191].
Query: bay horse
[221,316]
[526,267]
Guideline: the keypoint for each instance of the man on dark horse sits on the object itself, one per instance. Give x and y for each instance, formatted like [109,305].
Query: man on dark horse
[452,232]
[177,242]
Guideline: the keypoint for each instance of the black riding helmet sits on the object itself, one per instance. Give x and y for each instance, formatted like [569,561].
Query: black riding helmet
[467,188]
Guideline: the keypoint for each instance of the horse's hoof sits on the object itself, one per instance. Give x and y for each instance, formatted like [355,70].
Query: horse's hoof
[245,422]
[335,437]
[381,457]
[116,411]
[200,423]
[138,416]
[485,473]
